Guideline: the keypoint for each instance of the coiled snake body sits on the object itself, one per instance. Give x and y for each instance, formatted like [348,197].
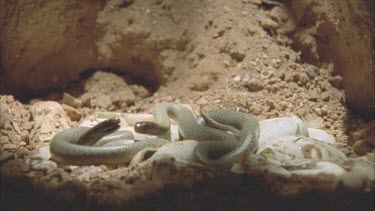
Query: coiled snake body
[100,145]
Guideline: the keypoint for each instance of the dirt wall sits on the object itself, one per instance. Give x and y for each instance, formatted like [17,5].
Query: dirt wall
[47,44]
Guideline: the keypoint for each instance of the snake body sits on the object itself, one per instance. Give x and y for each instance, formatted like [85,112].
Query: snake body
[97,145]
[215,147]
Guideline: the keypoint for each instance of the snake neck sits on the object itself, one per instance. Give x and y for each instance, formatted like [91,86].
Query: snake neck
[183,116]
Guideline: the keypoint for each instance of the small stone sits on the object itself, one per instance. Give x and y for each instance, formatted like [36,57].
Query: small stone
[324,86]
[361,148]
[202,101]
[70,100]
[312,71]
[324,111]
[325,96]
[254,85]
[237,78]
[304,79]
[4,140]
[314,96]
[21,153]
[226,63]
[336,81]
[266,22]
[9,147]
[283,105]
[255,109]
[72,113]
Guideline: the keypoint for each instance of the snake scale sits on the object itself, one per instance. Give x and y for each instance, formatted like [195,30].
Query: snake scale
[101,144]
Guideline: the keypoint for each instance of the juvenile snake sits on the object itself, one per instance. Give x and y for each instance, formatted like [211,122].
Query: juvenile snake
[216,147]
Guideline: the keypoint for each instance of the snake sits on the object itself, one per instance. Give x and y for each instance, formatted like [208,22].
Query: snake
[215,145]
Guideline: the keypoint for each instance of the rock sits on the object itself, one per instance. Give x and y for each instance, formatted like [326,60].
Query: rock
[325,96]
[300,78]
[72,113]
[5,115]
[314,96]
[336,81]
[15,138]
[4,140]
[312,71]
[50,118]
[266,22]
[237,78]
[254,85]
[21,153]
[200,84]
[70,100]
[9,147]
[361,147]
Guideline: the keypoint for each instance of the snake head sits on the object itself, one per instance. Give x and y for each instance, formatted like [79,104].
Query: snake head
[150,128]
[107,125]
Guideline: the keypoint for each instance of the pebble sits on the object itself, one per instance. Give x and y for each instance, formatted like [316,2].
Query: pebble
[283,105]
[72,113]
[14,137]
[254,85]
[21,153]
[336,81]
[314,96]
[325,96]
[255,109]
[324,111]
[312,71]
[334,117]
[4,140]
[266,22]
[237,78]
[70,100]
[9,147]
[300,78]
